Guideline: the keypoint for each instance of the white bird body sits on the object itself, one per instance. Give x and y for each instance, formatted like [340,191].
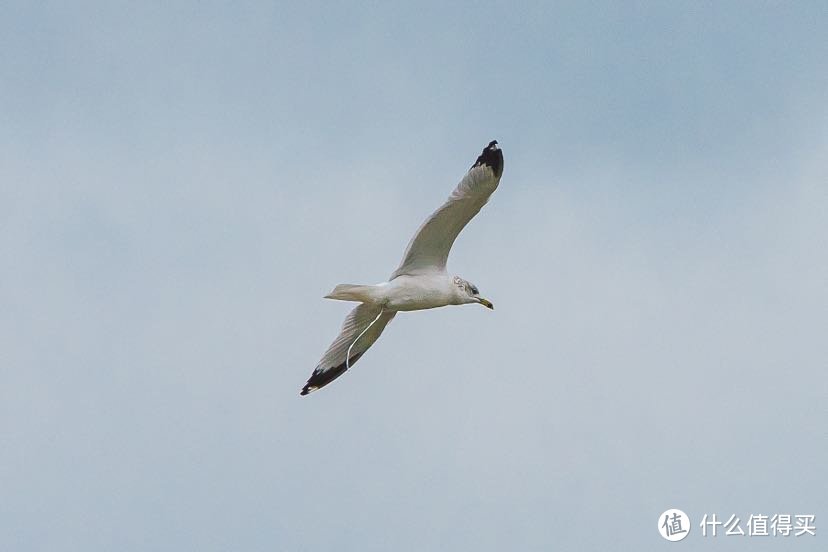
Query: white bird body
[421,281]
[406,293]
[429,291]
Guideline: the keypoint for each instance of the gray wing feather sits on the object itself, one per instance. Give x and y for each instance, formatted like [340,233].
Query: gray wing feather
[429,248]
[332,364]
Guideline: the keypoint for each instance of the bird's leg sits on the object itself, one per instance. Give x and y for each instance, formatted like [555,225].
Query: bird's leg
[348,354]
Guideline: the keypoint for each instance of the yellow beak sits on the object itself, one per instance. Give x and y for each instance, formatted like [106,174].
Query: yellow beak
[485,302]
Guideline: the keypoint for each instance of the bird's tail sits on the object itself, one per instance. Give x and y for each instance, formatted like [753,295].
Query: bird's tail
[352,292]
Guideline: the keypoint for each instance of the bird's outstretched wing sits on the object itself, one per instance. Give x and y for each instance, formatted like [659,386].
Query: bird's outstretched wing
[333,364]
[429,248]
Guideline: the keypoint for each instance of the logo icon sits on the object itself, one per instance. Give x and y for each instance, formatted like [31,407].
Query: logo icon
[673,524]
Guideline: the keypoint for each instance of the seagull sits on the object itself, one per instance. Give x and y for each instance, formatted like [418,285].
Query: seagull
[421,281]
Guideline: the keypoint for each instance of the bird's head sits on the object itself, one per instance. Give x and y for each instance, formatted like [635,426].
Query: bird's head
[468,293]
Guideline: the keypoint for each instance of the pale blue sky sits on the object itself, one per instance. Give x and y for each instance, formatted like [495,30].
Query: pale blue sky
[180,186]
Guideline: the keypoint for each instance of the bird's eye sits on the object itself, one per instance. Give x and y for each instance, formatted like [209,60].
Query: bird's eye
[474,290]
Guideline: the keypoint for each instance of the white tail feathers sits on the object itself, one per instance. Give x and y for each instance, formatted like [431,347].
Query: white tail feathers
[351,292]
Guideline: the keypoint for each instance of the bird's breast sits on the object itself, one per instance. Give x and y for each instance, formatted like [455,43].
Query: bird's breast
[408,293]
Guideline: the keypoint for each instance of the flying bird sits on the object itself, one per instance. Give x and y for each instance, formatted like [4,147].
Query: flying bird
[421,281]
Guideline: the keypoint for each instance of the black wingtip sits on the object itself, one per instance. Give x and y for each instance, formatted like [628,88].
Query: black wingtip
[492,156]
[320,378]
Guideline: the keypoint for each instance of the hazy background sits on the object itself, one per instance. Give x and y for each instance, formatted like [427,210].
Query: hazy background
[180,185]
